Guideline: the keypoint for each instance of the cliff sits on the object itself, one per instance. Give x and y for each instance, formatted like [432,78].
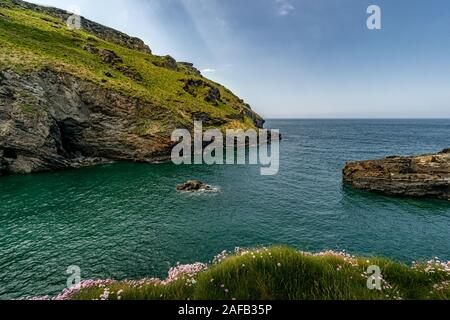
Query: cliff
[70,98]
[414,176]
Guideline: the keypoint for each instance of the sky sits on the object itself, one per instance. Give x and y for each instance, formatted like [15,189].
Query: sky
[301,58]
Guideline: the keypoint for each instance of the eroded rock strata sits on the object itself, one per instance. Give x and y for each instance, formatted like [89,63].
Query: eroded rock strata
[415,176]
[55,121]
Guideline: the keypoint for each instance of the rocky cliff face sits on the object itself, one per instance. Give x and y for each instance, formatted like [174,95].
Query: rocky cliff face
[415,176]
[54,121]
[70,98]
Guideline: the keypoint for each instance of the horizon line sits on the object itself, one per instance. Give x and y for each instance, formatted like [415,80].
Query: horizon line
[352,118]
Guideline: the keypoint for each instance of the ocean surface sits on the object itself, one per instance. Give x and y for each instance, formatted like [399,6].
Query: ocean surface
[126,221]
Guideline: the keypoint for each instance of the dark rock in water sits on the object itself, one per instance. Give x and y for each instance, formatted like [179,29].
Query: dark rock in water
[415,176]
[193,185]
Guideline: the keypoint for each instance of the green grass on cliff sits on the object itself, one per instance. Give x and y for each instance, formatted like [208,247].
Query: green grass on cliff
[32,41]
[282,273]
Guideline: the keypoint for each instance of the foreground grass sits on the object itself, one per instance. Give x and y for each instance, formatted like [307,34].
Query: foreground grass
[280,273]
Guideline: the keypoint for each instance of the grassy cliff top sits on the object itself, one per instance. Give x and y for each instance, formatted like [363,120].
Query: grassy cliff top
[34,38]
[280,273]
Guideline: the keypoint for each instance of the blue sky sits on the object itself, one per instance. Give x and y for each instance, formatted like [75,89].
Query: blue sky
[301,58]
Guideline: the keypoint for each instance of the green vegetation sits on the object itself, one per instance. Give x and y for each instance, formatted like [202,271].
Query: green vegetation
[31,41]
[282,273]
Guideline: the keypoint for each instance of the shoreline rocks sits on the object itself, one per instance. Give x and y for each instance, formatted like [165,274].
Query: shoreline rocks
[423,176]
[193,186]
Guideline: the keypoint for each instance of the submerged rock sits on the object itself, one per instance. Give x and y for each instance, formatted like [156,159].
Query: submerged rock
[193,185]
[413,176]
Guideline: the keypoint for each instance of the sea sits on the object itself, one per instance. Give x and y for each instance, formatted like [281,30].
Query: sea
[127,221]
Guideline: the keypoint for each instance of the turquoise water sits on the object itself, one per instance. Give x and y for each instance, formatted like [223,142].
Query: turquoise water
[127,221]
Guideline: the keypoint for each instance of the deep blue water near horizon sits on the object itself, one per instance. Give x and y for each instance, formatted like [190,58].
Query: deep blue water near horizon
[126,221]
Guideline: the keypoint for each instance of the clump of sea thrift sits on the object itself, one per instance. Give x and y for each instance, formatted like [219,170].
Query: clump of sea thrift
[220,257]
[442,286]
[70,292]
[433,266]
[105,294]
[186,272]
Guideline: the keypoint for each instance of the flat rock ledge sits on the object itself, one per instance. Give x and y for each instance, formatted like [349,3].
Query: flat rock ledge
[425,176]
[193,186]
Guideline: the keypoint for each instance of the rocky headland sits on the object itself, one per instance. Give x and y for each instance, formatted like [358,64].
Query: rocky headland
[76,97]
[425,176]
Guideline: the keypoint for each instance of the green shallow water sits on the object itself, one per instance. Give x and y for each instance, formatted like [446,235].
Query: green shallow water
[127,221]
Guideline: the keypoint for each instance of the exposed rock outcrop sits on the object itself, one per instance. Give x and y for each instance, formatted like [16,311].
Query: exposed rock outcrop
[196,86]
[170,63]
[167,62]
[415,176]
[109,56]
[190,67]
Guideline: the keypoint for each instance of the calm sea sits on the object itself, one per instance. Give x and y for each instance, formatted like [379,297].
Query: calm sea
[127,221]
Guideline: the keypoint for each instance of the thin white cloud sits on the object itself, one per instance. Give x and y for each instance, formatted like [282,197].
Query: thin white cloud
[217,69]
[285,7]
